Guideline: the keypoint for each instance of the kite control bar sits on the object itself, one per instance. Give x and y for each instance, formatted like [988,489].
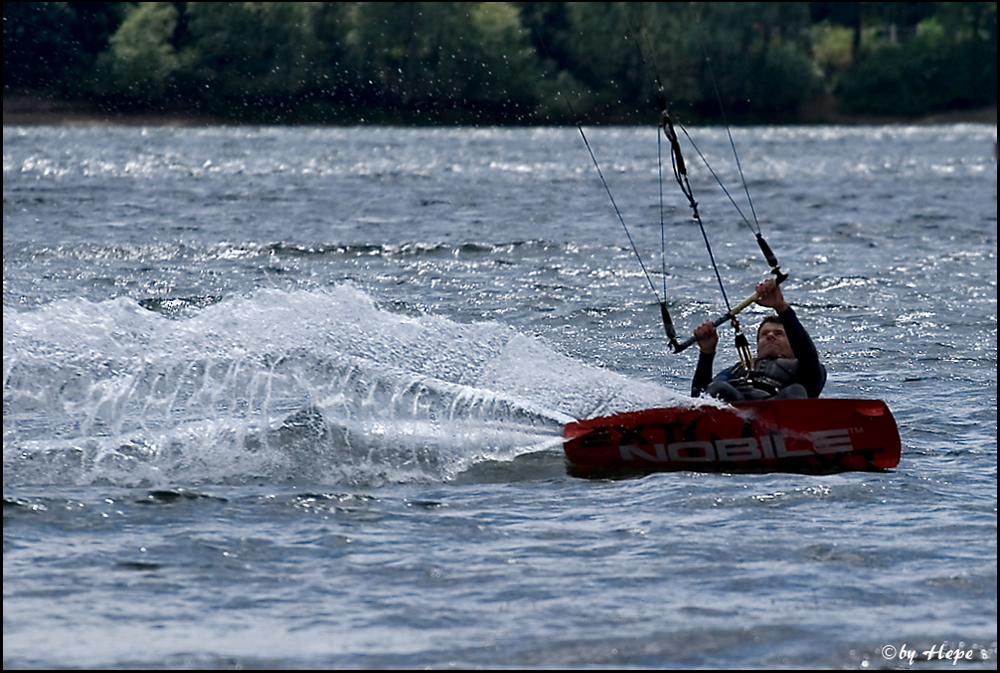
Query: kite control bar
[678,346]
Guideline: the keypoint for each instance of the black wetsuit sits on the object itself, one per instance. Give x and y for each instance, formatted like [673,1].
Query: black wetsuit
[803,376]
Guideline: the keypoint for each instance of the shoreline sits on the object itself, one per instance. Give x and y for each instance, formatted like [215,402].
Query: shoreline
[27,110]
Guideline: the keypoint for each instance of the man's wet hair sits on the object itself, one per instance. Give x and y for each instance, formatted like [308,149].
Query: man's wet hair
[768,319]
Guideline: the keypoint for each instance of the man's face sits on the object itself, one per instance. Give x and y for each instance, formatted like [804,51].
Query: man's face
[772,342]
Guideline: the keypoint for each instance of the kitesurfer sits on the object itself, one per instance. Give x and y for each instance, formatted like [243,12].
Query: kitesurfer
[787,365]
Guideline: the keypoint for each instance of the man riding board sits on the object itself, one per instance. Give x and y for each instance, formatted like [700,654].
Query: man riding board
[787,365]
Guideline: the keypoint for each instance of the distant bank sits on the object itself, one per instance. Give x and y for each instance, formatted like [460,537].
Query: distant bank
[33,110]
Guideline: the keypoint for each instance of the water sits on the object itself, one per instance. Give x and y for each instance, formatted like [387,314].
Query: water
[293,398]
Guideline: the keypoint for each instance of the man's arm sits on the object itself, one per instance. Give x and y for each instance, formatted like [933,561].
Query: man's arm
[811,373]
[703,374]
[708,340]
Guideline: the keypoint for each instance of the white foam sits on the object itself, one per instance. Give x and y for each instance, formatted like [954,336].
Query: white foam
[116,392]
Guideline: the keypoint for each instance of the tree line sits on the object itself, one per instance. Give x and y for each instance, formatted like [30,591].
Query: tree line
[504,62]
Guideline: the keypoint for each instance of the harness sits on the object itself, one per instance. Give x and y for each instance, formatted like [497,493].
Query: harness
[768,376]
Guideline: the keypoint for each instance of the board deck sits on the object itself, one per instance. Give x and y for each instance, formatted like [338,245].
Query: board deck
[816,436]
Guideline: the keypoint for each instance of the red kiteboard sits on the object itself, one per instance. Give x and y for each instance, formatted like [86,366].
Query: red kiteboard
[815,436]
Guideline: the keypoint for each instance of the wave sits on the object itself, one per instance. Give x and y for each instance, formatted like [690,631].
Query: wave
[321,386]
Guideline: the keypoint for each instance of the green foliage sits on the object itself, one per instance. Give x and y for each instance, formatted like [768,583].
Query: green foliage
[756,62]
[54,45]
[510,62]
[786,79]
[832,47]
[951,63]
[248,49]
[918,78]
[141,59]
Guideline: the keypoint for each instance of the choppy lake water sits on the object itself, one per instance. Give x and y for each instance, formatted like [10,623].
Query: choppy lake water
[293,398]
